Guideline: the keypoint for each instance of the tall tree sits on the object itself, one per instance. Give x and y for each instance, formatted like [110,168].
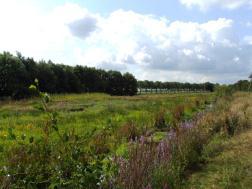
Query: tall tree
[115,83]
[130,84]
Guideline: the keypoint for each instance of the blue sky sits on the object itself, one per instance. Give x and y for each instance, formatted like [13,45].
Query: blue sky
[176,40]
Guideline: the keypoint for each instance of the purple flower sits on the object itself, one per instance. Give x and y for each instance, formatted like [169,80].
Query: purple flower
[171,134]
[187,125]
[142,140]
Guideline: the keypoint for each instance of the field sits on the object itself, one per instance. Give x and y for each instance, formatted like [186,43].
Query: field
[41,149]
[88,112]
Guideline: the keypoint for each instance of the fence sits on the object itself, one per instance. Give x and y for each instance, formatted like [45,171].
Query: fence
[166,91]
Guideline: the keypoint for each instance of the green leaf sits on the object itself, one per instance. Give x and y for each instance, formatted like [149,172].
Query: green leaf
[36,81]
[33,88]
[46,97]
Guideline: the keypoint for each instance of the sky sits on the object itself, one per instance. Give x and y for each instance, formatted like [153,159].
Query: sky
[166,40]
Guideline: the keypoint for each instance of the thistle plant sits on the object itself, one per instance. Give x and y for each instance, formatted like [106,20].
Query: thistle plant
[52,122]
[45,99]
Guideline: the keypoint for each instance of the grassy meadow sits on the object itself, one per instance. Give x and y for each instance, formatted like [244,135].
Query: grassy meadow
[147,141]
[89,113]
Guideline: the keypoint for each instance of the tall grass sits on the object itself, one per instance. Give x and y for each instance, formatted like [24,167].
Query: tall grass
[164,164]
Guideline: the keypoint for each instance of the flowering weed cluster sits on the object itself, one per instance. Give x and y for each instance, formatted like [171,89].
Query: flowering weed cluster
[152,165]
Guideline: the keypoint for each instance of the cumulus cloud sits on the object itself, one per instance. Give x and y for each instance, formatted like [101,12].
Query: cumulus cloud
[149,46]
[35,33]
[226,4]
[83,27]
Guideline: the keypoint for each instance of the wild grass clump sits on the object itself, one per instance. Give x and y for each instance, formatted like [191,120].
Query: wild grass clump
[224,91]
[99,142]
[197,103]
[160,165]
[177,116]
[128,130]
[159,120]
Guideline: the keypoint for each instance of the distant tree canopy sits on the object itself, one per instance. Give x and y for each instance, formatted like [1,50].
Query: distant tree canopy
[242,85]
[18,72]
[176,85]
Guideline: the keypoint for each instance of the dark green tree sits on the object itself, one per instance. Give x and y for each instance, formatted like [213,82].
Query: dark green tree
[130,84]
[115,83]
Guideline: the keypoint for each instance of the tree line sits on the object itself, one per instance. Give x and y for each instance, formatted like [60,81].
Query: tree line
[18,72]
[176,86]
[243,85]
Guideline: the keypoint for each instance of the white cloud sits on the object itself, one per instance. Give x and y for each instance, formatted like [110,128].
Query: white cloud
[248,39]
[150,47]
[151,44]
[30,31]
[187,52]
[225,4]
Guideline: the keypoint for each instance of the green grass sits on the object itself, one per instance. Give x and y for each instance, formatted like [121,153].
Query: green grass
[228,159]
[86,111]
[104,125]
[229,164]
[89,113]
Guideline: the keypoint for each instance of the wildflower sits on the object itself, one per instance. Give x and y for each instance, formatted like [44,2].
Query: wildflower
[142,140]
[187,125]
